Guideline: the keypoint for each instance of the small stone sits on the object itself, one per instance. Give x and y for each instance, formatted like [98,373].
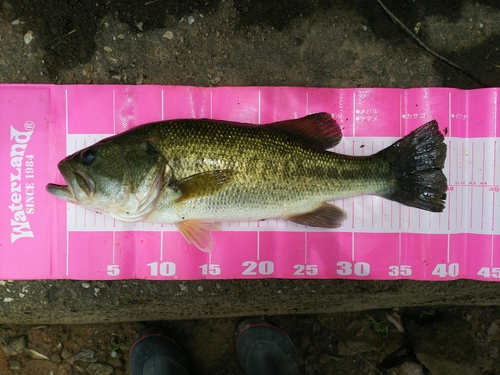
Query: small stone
[183,287]
[297,42]
[324,358]
[108,49]
[116,362]
[365,28]
[8,300]
[32,353]
[15,22]
[56,358]
[168,35]
[6,6]
[100,369]
[120,36]
[15,365]
[492,329]
[28,37]
[16,346]
[87,355]
[305,342]
[200,289]
[85,285]
[190,20]
[65,353]
[215,80]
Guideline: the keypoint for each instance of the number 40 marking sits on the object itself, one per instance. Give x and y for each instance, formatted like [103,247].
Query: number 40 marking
[443,270]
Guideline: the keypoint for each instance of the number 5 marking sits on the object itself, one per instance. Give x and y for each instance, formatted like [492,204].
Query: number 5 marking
[113,270]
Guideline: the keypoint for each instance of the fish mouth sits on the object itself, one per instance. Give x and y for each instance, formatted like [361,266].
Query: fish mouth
[80,186]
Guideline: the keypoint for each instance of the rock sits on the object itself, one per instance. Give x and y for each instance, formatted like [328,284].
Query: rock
[407,368]
[168,35]
[100,369]
[28,37]
[116,362]
[65,354]
[443,344]
[15,365]
[56,358]
[359,338]
[493,329]
[87,355]
[33,354]
[352,347]
[325,358]
[16,346]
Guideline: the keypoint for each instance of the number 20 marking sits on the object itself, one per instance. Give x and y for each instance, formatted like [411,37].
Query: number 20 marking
[265,267]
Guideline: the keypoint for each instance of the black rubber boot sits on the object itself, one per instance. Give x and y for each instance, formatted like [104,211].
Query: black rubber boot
[154,353]
[264,349]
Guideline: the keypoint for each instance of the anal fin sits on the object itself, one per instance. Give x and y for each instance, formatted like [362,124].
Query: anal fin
[198,233]
[325,216]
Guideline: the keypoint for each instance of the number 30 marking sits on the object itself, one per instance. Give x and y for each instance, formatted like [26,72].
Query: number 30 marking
[360,268]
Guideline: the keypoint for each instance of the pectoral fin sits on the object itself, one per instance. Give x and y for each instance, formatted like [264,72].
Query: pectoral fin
[325,216]
[198,233]
[202,184]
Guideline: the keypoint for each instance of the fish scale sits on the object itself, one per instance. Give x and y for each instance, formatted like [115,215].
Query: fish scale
[195,173]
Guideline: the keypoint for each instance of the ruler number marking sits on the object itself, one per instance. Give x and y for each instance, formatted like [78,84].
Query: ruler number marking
[210,269]
[164,268]
[307,269]
[113,269]
[443,270]
[347,268]
[265,267]
[488,272]
[400,270]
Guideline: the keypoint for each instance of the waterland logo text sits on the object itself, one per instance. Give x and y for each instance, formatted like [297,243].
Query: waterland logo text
[20,226]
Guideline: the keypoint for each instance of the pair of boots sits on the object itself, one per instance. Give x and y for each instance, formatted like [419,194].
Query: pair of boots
[262,349]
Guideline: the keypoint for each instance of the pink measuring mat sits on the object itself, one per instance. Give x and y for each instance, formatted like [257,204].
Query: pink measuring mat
[42,237]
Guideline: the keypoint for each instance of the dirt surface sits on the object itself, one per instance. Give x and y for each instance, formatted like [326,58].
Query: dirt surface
[322,343]
[322,43]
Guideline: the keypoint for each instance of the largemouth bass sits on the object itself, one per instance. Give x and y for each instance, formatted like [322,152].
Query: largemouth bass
[197,173]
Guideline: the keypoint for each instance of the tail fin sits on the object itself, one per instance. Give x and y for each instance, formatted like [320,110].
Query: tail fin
[417,161]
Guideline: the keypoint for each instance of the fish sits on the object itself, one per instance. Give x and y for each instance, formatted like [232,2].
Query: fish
[198,173]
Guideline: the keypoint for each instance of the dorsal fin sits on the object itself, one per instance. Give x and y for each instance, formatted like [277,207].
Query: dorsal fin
[319,129]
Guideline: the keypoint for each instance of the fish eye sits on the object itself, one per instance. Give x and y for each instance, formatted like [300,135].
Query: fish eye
[88,157]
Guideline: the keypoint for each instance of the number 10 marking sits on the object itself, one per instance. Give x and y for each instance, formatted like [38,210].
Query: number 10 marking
[166,268]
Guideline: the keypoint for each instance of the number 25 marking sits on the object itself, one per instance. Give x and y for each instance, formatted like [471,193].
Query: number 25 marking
[308,269]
